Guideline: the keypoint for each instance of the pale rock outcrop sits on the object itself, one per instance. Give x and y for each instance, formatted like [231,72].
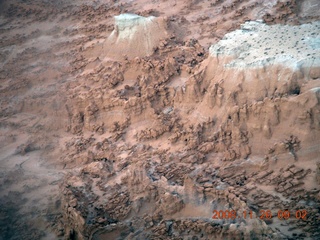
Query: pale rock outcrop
[134,36]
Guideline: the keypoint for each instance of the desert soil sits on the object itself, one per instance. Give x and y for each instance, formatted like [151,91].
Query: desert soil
[138,119]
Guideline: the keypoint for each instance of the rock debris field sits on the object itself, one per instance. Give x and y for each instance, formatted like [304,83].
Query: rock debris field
[158,119]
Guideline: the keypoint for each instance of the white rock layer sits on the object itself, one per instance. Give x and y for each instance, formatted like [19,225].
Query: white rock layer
[257,44]
[134,35]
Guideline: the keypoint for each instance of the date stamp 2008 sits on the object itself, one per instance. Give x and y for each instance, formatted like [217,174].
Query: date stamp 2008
[263,214]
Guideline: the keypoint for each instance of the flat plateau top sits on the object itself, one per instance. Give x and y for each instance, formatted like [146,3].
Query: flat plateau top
[257,44]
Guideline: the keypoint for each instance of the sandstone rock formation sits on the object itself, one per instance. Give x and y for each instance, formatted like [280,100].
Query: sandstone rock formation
[134,36]
[138,119]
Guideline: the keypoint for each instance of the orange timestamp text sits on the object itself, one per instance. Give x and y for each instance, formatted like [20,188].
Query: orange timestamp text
[263,214]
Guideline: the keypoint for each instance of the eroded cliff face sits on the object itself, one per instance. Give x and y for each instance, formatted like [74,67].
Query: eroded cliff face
[126,126]
[183,136]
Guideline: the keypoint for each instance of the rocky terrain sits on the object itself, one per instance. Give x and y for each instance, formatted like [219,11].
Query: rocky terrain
[141,119]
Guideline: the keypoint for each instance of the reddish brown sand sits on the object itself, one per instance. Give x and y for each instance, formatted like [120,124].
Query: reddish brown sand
[138,119]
